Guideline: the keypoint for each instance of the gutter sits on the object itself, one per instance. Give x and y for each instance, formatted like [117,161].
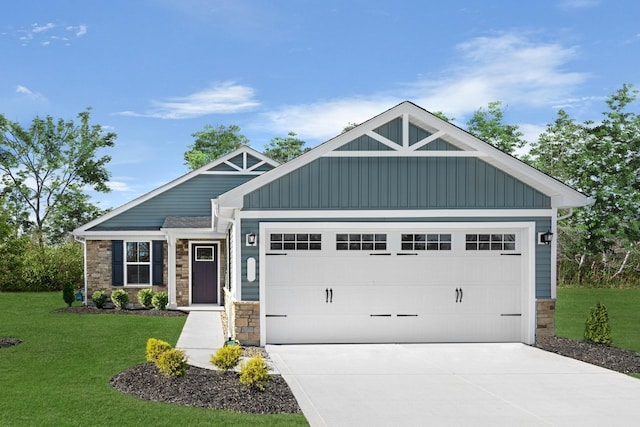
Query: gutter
[84,266]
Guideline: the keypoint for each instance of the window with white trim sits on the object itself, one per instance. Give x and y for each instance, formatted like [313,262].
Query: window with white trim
[426,242]
[295,241]
[138,263]
[490,242]
[361,242]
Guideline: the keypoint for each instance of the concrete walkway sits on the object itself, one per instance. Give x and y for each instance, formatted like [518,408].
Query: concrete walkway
[201,336]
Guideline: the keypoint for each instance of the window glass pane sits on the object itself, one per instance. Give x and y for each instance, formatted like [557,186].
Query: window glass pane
[509,237]
[407,237]
[432,237]
[341,237]
[276,246]
[367,246]
[509,246]
[302,246]
[419,237]
[342,246]
[420,246]
[471,247]
[496,237]
[484,237]
[496,246]
[354,246]
[315,246]
[289,237]
[472,238]
[204,254]
[445,246]
[276,237]
[367,237]
[132,251]
[315,237]
[144,253]
[302,237]
[484,246]
[138,275]
[407,246]
[445,237]
[381,246]
[289,245]
[381,237]
[432,246]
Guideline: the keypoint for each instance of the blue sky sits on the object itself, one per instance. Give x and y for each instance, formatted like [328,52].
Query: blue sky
[157,71]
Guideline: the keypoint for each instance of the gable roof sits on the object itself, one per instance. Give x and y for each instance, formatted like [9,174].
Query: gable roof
[243,161]
[408,130]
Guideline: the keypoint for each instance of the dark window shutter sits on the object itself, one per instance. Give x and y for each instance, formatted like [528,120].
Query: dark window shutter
[158,263]
[117,263]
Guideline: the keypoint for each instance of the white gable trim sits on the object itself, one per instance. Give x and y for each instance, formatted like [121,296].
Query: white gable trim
[245,150]
[562,196]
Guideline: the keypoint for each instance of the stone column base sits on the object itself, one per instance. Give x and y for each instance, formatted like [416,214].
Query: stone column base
[246,325]
[545,317]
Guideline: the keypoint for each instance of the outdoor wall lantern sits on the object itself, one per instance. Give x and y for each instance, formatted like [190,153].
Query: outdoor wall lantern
[545,238]
[252,239]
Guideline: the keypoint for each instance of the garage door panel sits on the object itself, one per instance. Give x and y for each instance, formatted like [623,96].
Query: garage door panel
[456,295]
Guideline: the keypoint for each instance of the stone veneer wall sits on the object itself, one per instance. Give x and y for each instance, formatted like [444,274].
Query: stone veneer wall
[545,313]
[247,322]
[99,271]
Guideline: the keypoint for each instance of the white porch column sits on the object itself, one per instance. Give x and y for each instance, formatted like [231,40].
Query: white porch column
[171,271]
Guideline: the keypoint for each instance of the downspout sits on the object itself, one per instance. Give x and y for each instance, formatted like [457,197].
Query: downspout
[84,266]
[568,215]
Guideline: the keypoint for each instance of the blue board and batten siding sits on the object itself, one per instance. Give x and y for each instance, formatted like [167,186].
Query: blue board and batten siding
[190,198]
[250,291]
[396,183]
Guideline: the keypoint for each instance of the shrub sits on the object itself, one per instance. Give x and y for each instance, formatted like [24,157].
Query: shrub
[99,299]
[160,300]
[172,363]
[145,296]
[597,329]
[67,293]
[155,348]
[120,299]
[254,373]
[227,357]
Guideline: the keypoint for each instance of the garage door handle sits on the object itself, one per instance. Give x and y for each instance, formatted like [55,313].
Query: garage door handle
[328,295]
[379,254]
[276,315]
[511,254]
[275,254]
[404,254]
[511,314]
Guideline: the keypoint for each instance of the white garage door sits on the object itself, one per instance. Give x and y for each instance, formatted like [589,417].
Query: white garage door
[394,285]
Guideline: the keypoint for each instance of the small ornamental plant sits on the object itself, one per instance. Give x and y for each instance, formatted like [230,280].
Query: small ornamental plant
[254,373]
[99,299]
[67,293]
[145,297]
[172,363]
[597,329]
[120,299]
[160,300]
[227,357]
[155,348]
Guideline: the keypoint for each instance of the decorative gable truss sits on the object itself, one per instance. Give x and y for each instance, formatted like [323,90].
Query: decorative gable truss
[402,137]
[244,163]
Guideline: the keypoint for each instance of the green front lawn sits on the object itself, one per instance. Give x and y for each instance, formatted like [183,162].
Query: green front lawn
[573,306]
[59,375]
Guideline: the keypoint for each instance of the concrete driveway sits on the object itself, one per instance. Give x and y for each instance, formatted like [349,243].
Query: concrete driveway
[453,385]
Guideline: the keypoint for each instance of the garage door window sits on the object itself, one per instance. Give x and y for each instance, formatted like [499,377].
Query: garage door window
[426,242]
[490,242]
[361,242]
[295,241]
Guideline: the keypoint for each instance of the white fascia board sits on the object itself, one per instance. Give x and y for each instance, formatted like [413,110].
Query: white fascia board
[400,214]
[82,230]
[129,235]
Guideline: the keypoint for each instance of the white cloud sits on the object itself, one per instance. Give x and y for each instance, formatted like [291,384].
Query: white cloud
[35,28]
[28,92]
[79,30]
[505,67]
[120,186]
[222,98]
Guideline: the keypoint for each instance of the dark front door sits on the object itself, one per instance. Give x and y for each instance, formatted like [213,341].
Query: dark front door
[204,273]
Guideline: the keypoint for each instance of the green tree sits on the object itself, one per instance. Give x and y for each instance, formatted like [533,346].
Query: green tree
[47,166]
[284,149]
[608,170]
[557,150]
[487,125]
[212,143]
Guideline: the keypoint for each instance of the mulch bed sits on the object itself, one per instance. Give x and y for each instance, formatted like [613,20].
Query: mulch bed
[206,388]
[616,359]
[137,311]
[8,342]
